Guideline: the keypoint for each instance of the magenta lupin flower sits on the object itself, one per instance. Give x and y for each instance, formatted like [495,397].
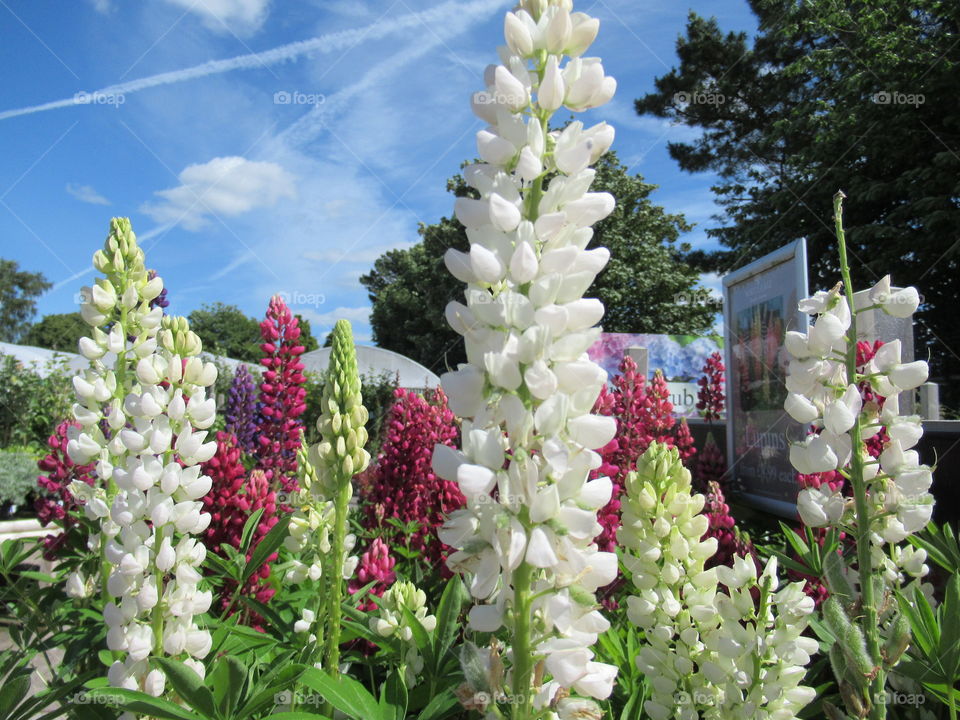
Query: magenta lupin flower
[241,409]
[710,464]
[60,472]
[710,397]
[232,499]
[282,396]
[722,526]
[684,443]
[403,484]
[376,565]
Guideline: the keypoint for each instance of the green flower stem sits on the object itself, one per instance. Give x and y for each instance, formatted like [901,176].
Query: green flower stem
[334,591]
[871,630]
[522,682]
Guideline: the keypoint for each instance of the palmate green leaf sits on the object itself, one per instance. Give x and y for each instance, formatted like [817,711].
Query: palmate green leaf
[448,616]
[188,685]
[393,697]
[345,694]
[138,702]
[941,545]
[281,676]
[296,715]
[950,629]
[266,547]
[248,527]
[440,707]
[227,680]
[12,693]
[275,622]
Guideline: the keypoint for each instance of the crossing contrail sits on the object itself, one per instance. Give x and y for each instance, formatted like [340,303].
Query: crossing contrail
[442,14]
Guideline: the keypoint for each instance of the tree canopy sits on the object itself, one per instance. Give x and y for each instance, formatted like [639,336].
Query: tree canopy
[647,285]
[858,96]
[19,291]
[59,331]
[226,330]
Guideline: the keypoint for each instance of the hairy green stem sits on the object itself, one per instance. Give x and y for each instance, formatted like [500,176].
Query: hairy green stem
[522,684]
[871,630]
[335,580]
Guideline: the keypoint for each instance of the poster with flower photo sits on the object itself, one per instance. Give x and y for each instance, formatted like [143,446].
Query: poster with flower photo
[679,357]
[760,306]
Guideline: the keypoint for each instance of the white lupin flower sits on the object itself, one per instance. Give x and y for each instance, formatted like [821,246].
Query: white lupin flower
[890,496]
[392,621]
[528,387]
[711,652]
[147,500]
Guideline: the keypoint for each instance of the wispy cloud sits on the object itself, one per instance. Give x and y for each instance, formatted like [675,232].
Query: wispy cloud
[85,193]
[438,16]
[311,124]
[227,186]
[234,16]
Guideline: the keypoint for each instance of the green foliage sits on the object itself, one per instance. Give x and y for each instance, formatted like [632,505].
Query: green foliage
[933,658]
[60,331]
[32,402]
[646,287]
[19,291]
[226,330]
[831,95]
[307,339]
[378,398]
[18,476]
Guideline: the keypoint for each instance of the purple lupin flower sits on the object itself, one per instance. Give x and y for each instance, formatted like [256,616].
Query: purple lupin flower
[160,300]
[241,410]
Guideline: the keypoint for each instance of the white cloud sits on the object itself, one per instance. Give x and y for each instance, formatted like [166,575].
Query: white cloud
[227,186]
[236,16]
[85,193]
[329,319]
[101,6]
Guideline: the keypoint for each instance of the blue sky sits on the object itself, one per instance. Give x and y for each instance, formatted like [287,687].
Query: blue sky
[237,194]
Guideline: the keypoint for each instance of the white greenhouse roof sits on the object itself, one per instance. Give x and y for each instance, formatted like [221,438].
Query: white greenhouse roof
[374,361]
[371,361]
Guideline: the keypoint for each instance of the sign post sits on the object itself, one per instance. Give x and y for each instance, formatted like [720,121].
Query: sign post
[759,307]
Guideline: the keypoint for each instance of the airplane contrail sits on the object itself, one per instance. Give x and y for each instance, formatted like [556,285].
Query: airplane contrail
[312,123]
[441,14]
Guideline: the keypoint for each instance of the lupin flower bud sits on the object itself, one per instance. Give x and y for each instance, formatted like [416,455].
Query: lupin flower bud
[392,621]
[337,457]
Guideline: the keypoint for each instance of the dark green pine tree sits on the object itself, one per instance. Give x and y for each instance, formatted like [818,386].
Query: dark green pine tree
[852,95]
